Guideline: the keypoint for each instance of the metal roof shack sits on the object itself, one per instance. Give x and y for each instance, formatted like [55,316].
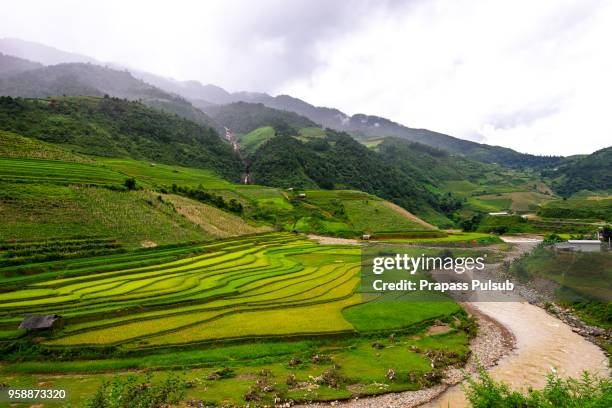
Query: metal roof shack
[41,322]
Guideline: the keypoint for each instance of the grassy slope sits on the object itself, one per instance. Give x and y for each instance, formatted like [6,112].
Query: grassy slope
[588,207]
[592,173]
[361,212]
[252,140]
[159,175]
[47,211]
[213,221]
[49,193]
[15,146]
[119,128]
[365,213]
[51,201]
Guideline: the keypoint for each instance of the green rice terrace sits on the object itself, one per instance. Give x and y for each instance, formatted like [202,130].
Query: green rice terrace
[159,269]
[244,319]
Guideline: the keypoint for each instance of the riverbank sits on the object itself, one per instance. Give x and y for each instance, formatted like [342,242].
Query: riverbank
[492,343]
[543,341]
[518,342]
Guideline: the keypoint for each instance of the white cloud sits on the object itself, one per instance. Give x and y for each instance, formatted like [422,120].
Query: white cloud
[534,76]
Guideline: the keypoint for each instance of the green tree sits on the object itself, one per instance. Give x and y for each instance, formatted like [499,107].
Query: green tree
[130,183]
[606,233]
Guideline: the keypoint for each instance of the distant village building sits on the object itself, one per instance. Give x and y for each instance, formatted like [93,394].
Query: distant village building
[499,214]
[584,241]
[366,237]
[302,195]
[41,322]
[581,245]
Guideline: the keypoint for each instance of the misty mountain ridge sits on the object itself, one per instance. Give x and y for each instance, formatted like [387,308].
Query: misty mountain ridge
[360,126]
[244,117]
[246,111]
[40,53]
[86,79]
[10,65]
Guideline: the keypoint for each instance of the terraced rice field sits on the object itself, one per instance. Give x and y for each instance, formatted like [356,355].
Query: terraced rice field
[164,175]
[16,146]
[250,302]
[201,297]
[57,172]
[236,288]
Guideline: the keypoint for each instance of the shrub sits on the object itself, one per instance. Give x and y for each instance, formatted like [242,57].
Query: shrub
[129,392]
[552,239]
[586,392]
[606,233]
[130,183]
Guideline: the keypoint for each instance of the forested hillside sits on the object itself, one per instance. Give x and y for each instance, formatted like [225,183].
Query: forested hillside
[428,164]
[69,80]
[119,128]
[337,161]
[242,117]
[79,79]
[10,65]
[593,173]
[365,126]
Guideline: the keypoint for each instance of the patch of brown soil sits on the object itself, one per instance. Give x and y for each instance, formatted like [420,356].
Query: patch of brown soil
[148,244]
[438,329]
[333,240]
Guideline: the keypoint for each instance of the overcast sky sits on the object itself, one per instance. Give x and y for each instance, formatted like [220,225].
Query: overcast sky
[531,75]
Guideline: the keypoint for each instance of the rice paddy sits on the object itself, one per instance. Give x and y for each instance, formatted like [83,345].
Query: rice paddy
[262,299]
[51,171]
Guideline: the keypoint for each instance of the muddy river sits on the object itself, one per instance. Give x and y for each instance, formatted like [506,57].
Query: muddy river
[543,343]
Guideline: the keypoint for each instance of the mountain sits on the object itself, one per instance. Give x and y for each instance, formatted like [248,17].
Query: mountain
[119,128]
[201,95]
[365,126]
[41,53]
[360,126]
[326,117]
[337,161]
[592,172]
[10,65]
[47,55]
[242,117]
[78,79]
[428,164]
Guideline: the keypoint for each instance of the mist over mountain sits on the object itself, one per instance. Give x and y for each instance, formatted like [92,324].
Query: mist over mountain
[161,92]
[41,53]
[32,80]
[10,65]
[243,117]
[363,126]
